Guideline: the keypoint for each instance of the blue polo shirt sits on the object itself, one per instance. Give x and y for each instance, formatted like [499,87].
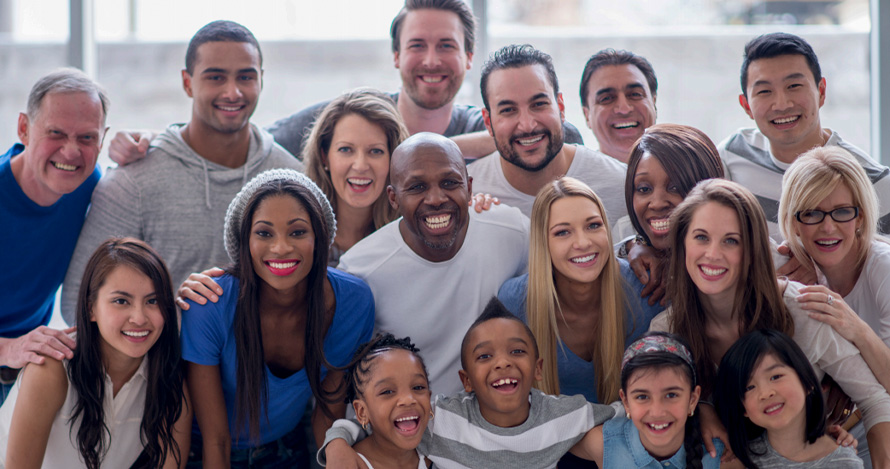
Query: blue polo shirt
[36,244]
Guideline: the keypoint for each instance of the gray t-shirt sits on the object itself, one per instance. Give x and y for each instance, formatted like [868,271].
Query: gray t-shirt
[292,130]
[841,458]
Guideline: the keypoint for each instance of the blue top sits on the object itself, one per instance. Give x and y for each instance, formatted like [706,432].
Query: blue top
[622,448]
[576,375]
[38,243]
[208,338]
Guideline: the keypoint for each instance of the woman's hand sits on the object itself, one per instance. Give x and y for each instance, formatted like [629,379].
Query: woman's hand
[483,202]
[804,273]
[712,428]
[649,267]
[200,287]
[842,437]
[827,306]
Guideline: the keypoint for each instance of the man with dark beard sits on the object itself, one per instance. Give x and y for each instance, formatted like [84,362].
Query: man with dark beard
[524,112]
[431,274]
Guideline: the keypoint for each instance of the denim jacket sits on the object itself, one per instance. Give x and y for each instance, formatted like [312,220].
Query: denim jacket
[622,448]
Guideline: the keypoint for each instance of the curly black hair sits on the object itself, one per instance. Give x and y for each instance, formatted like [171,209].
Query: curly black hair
[358,368]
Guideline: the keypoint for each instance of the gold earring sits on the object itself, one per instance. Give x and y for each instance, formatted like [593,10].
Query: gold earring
[432,415]
[365,426]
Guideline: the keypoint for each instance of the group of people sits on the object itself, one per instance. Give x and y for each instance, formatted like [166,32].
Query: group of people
[730,307]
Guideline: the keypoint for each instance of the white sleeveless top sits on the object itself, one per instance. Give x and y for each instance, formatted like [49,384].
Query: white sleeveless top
[420,465]
[123,416]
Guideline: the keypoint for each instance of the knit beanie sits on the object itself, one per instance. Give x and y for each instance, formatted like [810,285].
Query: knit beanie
[235,213]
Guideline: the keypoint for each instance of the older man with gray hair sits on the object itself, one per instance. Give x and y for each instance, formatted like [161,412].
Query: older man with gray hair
[45,183]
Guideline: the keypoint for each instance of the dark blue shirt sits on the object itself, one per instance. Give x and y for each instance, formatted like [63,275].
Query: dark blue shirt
[36,244]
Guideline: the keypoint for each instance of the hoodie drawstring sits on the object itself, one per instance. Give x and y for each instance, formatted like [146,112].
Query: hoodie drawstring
[206,182]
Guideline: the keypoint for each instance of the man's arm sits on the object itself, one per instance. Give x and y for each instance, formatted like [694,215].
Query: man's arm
[115,210]
[128,146]
[291,131]
[475,144]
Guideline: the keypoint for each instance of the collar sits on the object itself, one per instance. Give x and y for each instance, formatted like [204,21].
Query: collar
[641,457]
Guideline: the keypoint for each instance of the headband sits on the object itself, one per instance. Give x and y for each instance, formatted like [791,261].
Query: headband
[658,343]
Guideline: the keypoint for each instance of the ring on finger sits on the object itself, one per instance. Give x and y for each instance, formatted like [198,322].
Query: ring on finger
[830,300]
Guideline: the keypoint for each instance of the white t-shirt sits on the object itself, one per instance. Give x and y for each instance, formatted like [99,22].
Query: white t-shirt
[604,174]
[435,303]
[123,416]
[747,160]
[870,297]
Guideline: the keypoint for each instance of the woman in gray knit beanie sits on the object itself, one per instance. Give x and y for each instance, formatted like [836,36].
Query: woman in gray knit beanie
[283,322]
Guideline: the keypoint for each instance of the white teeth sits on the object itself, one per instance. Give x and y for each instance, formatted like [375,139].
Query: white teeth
[581,260]
[229,108]
[773,408]
[661,224]
[405,419]
[658,426]
[785,120]
[282,265]
[827,242]
[432,79]
[359,181]
[712,272]
[625,125]
[437,222]
[136,334]
[530,141]
[504,381]
[64,167]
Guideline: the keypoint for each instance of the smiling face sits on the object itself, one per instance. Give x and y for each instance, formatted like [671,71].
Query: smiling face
[431,190]
[127,314]
[501,367]
[62,143]
[784,100]
[658,401]
[431,57]
[281,242]
[833,245]
[774,397]
[395,400]
[714,252]
[358,160]
[526,116]
[578,240]
[225,86]
[655,197]
[620,106]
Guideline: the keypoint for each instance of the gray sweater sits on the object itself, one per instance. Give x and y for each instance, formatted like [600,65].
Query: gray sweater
[173,199]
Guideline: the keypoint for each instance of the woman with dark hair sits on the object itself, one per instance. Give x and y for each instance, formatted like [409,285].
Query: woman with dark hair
[347,155]
[664,165]
[122,393]
[275,337]
[723,286]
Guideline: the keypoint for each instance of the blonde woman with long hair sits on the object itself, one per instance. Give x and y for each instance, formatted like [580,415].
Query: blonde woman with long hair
[582,302]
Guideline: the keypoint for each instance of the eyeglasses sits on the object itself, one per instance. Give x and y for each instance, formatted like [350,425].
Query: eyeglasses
[814,217]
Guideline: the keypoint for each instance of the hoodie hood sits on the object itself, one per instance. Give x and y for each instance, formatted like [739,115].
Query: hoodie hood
[173,145]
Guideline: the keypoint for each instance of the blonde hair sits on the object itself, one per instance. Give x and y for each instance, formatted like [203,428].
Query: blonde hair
[812,178]
[378,109]
[542,303]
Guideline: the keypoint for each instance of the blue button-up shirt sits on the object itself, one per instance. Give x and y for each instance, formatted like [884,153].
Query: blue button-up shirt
[622,448]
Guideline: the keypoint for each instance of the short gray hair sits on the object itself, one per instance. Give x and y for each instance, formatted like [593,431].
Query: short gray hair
[65,80]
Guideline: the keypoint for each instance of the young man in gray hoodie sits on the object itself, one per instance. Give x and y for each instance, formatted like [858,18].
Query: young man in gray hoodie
[176,198]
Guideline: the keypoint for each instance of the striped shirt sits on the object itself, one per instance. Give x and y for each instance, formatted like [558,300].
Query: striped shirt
[748,161]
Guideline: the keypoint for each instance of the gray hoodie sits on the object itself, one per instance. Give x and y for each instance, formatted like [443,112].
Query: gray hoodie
[173,199]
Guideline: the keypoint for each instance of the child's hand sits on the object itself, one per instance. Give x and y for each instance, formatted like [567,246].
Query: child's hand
[340,455]
[842,437]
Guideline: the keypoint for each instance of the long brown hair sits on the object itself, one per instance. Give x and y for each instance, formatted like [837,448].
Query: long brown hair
[164,396]
[542,303]
[375,107]
[758,302]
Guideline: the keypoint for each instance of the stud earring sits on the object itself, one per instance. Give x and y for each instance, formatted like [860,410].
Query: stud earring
[326,168]
[692,412]
[432,415]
